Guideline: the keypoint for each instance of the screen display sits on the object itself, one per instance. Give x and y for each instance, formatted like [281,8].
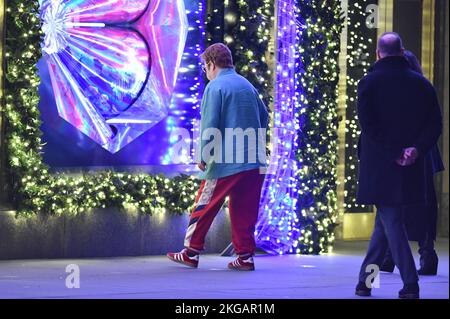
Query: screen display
[117,77]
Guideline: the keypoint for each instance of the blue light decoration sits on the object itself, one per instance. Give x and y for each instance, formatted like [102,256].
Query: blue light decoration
[190,85]
[277,230]
[114,64]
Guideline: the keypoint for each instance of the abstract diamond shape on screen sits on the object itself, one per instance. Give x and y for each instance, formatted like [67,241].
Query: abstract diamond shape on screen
[113,64]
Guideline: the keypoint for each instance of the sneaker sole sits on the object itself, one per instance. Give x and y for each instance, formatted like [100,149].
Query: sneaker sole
[362,293]
[241,269]
[409,296]
[181,262]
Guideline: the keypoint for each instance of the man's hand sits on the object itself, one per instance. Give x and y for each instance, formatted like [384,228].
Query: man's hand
[202,166]
[408,157]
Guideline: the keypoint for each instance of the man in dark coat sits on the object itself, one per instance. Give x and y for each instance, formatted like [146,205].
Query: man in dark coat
[400,121]
[421,223]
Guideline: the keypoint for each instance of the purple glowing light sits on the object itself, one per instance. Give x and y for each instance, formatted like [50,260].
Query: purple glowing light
[277,227]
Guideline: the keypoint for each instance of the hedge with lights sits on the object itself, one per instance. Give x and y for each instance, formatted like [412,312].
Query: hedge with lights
[318,76]
[361,54]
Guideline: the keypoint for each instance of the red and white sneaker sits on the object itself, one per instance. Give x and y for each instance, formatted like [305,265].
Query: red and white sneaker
[242,264]
[183,258]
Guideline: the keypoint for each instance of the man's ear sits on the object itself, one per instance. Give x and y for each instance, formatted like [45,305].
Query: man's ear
[378,55]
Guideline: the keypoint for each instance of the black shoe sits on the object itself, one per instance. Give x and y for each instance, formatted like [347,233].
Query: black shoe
[362,290]
[409,291]
[387,266]
[428,264]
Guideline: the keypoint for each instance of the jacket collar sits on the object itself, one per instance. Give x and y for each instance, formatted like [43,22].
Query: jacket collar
[391,62]
[226,72]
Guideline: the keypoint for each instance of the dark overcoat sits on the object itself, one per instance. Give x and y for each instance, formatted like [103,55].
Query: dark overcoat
[397,108]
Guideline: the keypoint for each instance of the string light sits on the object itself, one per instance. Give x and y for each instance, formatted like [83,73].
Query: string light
[251,37]
[298,210]
[277,226]
[185,107]
[359,59]
[320,26]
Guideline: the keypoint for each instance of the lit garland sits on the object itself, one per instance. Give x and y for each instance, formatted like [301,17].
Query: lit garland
[359,59]
[317,76]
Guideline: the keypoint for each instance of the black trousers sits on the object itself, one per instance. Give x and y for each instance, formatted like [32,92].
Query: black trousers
[421,223]
[426,249]
[389,232]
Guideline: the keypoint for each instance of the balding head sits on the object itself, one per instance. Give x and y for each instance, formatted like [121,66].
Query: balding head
[390,44]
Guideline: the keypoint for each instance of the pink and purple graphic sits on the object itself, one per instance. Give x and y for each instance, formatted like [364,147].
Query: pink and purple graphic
[113,64]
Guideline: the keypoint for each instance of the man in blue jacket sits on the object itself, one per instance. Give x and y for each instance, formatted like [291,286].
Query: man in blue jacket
[234,121]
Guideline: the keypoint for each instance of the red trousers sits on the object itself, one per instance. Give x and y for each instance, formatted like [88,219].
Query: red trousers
[244,191]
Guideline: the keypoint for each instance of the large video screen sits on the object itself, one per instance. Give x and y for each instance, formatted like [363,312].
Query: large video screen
[117,77]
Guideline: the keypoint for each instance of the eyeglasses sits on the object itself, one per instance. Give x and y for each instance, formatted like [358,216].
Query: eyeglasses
[205,66]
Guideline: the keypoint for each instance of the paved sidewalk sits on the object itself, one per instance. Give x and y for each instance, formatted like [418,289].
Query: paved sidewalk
[155,277]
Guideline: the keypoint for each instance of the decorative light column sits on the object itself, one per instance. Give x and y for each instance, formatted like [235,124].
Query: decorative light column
[276,230]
